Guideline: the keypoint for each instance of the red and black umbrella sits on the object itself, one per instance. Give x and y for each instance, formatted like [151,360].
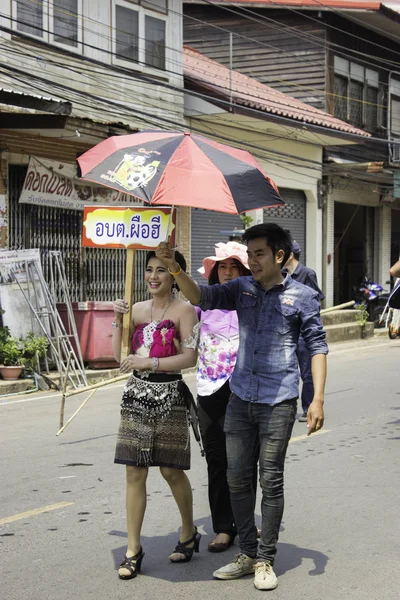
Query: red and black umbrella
[181,169]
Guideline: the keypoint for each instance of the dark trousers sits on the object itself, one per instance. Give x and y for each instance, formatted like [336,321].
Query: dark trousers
[304,358]
[250,425]
[211,413]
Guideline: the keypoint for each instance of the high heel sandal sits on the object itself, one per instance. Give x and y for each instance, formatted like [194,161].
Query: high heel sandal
[182,547]
[132,564]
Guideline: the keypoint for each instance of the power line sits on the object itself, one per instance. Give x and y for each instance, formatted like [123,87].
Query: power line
[309,17]
[200,57]
[102,100]
[135,111]
[149,79]
[286,82]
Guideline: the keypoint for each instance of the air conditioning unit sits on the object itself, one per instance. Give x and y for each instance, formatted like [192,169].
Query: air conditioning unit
[394,152]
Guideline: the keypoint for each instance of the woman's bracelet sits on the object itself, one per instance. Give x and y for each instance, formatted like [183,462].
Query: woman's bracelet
[155,364]
[116,325]
[175,274]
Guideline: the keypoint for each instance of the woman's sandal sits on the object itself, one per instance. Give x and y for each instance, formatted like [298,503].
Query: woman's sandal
[182,547]
[132,564]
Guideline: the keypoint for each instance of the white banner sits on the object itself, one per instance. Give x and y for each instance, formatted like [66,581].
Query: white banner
[13,264]
[53,183]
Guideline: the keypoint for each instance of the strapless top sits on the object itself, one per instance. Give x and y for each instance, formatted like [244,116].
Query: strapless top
[156,339]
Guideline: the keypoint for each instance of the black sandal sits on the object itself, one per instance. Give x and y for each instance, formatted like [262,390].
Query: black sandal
[182,547]
[132,564]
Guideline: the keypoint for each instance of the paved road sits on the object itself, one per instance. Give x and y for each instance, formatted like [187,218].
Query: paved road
[340,534]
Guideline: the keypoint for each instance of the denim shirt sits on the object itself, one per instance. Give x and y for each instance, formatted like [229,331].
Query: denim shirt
[270,322]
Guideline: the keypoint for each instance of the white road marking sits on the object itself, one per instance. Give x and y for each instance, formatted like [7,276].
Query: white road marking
[34,512]
[298,438]
[5,402]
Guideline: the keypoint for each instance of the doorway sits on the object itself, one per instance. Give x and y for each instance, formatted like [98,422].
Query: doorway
[354,235]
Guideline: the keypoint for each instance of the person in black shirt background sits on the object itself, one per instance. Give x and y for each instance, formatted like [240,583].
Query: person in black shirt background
[307,276]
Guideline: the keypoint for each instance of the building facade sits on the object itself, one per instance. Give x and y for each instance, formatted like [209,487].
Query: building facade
[74,73]
[339,57]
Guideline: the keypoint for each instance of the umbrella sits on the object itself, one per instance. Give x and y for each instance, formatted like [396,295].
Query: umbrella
[180,169]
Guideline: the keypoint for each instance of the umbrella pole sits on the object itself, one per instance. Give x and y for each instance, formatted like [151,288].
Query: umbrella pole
[129,284]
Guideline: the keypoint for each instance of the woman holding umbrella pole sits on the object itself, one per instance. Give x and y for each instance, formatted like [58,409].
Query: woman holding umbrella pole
[154,426]
[219,340]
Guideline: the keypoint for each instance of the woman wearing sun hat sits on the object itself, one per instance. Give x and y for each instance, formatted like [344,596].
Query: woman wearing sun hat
[219,340]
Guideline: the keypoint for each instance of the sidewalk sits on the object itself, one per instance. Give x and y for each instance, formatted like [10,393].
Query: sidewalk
[380,339]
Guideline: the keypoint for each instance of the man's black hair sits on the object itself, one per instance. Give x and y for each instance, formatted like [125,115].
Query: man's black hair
[275,237]
[296,255]
[213,277]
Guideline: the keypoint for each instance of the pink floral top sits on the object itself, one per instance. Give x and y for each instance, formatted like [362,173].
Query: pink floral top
[155,339]
[219,342]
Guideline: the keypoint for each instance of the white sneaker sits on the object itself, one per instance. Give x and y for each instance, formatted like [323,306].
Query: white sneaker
[265,578]
[241,565]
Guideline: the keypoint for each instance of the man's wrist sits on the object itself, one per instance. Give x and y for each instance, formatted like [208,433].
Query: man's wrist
[319,398]
[175,268]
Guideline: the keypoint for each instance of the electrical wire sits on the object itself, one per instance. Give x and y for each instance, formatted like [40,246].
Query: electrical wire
[163,84]
[309,163]
[157,82]
[292,84]
[180,90]
[309,17]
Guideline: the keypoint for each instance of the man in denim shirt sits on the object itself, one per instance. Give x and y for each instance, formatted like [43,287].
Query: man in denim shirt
[273,310]
[307,276]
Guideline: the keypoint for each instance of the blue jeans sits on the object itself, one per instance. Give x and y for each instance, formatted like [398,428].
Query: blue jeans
[304,358]
[247,425]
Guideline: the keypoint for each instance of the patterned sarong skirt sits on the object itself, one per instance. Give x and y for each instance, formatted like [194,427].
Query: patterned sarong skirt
[154,427]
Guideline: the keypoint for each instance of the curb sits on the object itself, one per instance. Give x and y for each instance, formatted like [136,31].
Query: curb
[94,376]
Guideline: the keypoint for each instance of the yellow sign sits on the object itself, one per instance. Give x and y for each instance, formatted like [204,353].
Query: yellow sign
[121,227]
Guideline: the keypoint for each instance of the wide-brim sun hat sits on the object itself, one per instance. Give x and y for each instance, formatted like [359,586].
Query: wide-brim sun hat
[222,252]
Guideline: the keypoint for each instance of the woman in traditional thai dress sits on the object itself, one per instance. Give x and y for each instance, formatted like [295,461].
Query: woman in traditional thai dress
[219,341]
[154,428]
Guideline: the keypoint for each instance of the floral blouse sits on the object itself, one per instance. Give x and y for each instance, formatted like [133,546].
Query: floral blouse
[219,342]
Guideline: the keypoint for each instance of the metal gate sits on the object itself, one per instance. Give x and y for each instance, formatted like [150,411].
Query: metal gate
[206,227]
[93,273]
[291,216]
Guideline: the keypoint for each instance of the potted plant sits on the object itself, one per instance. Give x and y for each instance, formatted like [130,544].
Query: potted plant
[17,353]
[11,354]
[362,318]
[35,347]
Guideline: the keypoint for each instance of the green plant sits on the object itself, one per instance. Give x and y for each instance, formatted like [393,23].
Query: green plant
[4,334]
[11,352]
[21,351]
[246,220]
[362,314]
[34,346]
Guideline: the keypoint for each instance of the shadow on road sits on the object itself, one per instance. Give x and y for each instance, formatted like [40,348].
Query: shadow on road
[202,565]
[291,556]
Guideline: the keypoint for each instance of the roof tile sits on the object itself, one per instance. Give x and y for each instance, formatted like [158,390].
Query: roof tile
[247,91]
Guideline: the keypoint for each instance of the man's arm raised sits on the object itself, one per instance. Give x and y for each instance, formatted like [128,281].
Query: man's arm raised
[395,269]
[187,286]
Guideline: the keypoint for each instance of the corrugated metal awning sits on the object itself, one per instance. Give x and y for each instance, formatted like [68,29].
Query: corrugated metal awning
[20,93]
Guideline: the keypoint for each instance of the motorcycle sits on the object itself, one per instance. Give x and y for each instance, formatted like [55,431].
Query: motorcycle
[374,297]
